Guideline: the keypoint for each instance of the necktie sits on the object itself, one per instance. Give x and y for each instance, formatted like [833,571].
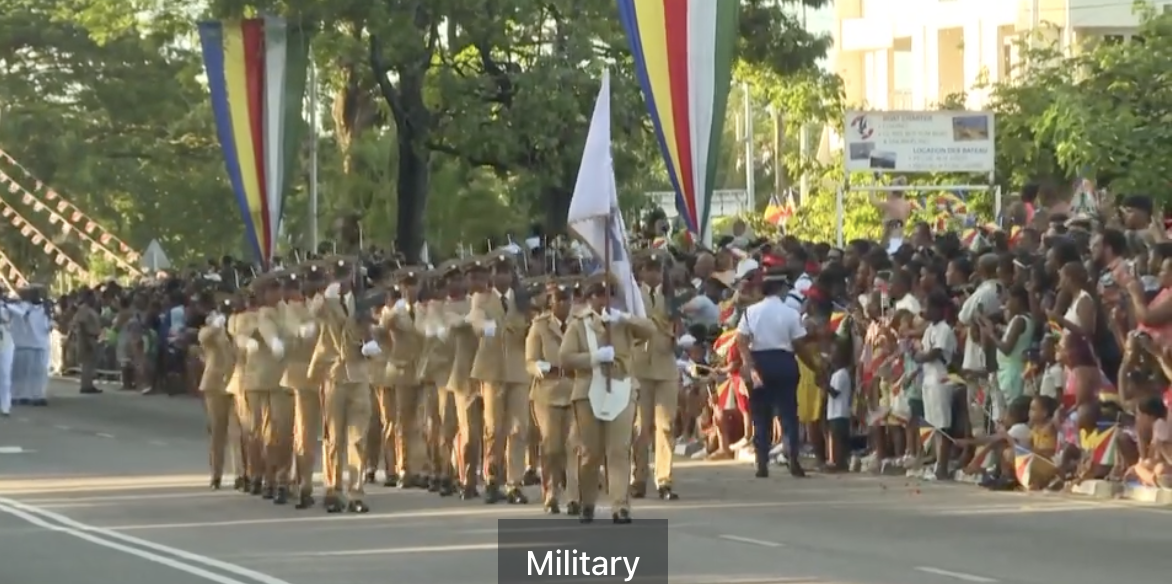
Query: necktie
[653,299]
[411,310]
[505,303]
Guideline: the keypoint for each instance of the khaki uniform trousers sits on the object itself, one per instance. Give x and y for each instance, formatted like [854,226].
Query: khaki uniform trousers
[270,430]
[440,430]
[405,434]
[469,412]
[376,448]
[347,419]
[249,467]
[220,410]
[506,420]
[307,424]
[560,448]
[609,443]
[656,405]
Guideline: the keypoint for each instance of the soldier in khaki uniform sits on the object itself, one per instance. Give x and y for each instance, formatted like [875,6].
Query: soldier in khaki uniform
[380,440]
[658,393]
[240,326]
[606,442]
[219,361]
[340,359]
[466,397]
[300,329]
[269,406]
[550,398]
[500,368]
[402,320]
[436,370]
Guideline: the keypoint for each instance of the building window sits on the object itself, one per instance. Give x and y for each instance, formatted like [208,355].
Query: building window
[1008,56]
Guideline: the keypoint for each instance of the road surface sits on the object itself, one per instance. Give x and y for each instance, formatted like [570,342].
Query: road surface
[112,488]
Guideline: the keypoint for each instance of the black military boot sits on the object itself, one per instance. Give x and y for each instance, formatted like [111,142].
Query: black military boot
[587,515]
[240,484]
[621,517]
[468,492]
[447,488]
[371,476]
[304,501]
[268,492]
[552,508]
[531,478]
[493,494]
[281,496]
[516,497]
[258,487]
[333,503]
[667,494]
[357,507]
[215,484]
[573,508]
[433,484]
[392,480]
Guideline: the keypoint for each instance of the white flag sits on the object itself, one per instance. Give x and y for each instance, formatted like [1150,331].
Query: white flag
[594,209]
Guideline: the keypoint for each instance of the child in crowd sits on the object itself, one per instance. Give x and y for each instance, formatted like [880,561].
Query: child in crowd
[838,408]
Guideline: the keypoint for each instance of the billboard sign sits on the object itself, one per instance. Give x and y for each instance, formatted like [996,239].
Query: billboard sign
[939,141]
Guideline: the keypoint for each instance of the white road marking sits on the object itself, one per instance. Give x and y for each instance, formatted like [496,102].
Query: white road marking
[13,450]
[749,540]
[187,561]
[957,575]
[104,435]
[62,428]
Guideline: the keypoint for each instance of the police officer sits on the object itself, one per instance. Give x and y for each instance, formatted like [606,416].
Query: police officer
[219,360]
[403,321]
[301,332]
[658,394]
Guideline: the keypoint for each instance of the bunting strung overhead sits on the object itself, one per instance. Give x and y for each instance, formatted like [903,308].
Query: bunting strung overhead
[56,218]
[43,243]
[10,275]
[256,76]
[68,210]
[683,52]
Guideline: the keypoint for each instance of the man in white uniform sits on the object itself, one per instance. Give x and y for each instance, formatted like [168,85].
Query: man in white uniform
[41,325]
[7,347]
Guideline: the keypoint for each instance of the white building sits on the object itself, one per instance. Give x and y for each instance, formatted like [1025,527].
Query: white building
[911,54]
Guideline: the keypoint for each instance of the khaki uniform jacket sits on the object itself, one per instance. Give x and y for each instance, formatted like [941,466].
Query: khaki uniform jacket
[239,326]
[464,343]
[574,354]
[298,349]
[543,344]
[655,359]
[219,359]
[86,326]
[406,344]
[438,348]
[338,355]
[263,369]
[500,358]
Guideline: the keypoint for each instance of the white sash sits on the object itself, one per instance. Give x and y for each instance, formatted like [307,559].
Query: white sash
[606,402]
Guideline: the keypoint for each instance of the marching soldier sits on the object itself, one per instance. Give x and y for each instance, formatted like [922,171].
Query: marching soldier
[240,327]
[500,368]
[658,394]
[269,406]
[340,360]
[599,348]
[465,391]
[436,370]
[219,361]
[301,331]
[403,321]
[550,397]
[380,439]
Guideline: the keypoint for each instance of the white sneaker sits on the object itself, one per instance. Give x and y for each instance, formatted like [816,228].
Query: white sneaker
[777,449]
[699,455]
[739,444]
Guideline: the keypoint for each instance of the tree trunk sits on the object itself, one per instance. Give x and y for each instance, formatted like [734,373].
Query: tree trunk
[414,172]
[556,201]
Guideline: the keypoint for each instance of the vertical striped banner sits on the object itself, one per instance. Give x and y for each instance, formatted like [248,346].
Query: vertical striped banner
[256,72]
[683,53]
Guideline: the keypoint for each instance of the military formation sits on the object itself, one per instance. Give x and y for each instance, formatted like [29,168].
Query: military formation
[456,379]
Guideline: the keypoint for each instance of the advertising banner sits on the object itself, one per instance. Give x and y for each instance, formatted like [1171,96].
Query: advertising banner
[941,141]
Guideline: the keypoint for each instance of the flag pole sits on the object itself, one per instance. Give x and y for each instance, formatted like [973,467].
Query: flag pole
[313,138]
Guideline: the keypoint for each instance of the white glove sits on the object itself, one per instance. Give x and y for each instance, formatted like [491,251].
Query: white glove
[217,321]
[441,333]
[604,355]
[612,315]
[400,306]
[489,328]
[307,330]
[543,367]
[251,346]
[277,347]
[686,342]
[431,332]
[333,291]
[370,349]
